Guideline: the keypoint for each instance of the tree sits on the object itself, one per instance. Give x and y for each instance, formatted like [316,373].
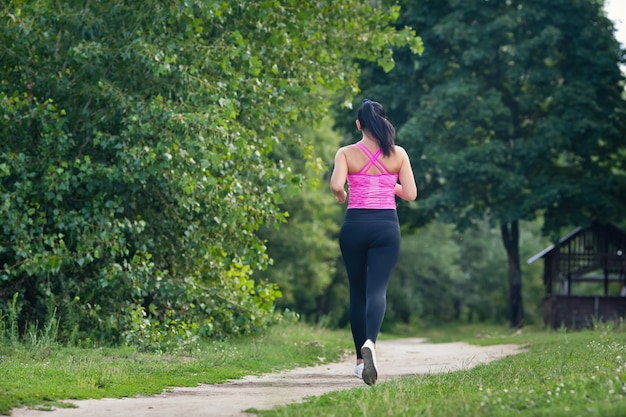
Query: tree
[515,111]
[424,286]
[134,165]
[305,249]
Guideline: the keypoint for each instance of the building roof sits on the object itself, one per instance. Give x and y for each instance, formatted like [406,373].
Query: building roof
[609,231]
[550,248]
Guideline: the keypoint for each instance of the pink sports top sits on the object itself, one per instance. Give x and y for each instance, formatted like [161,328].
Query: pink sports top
[372,191]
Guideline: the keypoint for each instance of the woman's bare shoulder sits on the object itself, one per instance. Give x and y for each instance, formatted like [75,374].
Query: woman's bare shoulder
[347,149]
[399,149]
[401,152]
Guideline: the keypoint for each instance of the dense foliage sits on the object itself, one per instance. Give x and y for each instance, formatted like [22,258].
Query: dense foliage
[444,276]
[515,112]
[305,250]
[135,161]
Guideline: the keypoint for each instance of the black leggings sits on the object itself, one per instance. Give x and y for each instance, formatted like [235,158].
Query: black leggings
[370,245]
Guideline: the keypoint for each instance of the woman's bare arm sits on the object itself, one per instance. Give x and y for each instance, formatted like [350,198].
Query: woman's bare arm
[406,189]
[339,176]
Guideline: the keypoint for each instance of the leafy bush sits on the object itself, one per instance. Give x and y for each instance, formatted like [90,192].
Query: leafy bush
[134,168]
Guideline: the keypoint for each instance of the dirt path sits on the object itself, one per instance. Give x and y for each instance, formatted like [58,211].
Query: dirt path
[396,358]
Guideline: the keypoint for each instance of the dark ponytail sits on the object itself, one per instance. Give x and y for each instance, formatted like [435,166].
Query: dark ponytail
[372,118]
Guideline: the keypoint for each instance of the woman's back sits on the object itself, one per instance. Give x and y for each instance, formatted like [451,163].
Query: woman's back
[374,163]
[373,185]
[357,159]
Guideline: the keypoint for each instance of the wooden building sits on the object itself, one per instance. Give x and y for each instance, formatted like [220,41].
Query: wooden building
[585,277]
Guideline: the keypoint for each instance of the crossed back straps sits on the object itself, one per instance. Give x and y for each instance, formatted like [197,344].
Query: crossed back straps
[372,160]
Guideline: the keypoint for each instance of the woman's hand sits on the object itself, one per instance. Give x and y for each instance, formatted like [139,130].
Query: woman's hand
[341,198]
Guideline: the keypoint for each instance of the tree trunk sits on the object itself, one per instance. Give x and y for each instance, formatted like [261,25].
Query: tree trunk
[510,238]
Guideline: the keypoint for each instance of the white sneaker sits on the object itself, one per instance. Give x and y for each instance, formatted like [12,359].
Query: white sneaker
[370,370]
[358,370]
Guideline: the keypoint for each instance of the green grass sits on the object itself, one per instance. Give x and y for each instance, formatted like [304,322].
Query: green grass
[43,375]
[560,374]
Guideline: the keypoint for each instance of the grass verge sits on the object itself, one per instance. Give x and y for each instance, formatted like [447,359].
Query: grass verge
[43,375]
[561,374]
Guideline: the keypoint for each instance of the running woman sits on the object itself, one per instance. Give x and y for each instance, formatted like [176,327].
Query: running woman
[376,170]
